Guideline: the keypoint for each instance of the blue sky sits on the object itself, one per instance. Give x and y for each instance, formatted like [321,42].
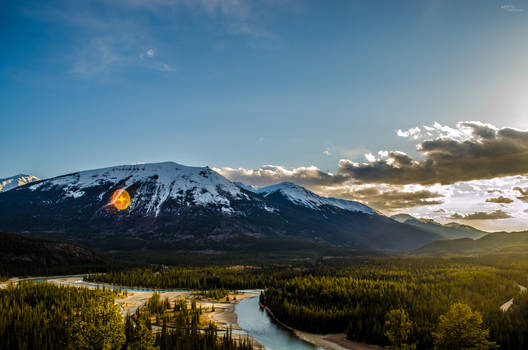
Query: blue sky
[241,84]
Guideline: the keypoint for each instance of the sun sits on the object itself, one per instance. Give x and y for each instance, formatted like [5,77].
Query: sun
[121,199]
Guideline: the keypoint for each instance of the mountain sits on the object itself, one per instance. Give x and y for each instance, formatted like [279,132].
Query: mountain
[498,242]
[15,181]
[180,207]
[451,230]
[301,196]
[23,255]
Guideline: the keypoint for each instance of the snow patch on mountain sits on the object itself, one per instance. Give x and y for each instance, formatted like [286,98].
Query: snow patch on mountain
[157,183]
[301,196]
[246,187]
[15,181]
[351,205]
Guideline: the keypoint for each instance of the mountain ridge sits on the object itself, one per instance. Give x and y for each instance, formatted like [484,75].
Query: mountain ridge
[451,230]
[191,208]
[12,182]
[303,196]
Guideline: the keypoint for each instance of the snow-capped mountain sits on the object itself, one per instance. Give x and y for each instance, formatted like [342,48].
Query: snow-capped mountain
[154,185]
[15,181]
[301,196]
[176,206]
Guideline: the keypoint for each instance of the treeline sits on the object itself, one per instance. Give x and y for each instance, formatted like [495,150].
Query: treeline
[357,300]
[22,255]
[179,327]
[355,295]
[45,316]
[197,278]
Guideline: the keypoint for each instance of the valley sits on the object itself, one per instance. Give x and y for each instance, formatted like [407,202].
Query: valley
[194,257]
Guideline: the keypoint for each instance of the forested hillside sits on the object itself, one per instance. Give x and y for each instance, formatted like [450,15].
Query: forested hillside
[358,300]
[499,242]
[26,255]
[44,316]
[358,295]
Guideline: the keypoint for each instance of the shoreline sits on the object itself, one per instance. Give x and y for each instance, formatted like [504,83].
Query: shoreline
[333,341]
[225,316]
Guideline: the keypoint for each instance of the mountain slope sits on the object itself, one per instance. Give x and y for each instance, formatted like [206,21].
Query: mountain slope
[339,221]
[21,255]
[15,181]
[451,230]
[169,201]
[499,242]
[175,206]
[301,196]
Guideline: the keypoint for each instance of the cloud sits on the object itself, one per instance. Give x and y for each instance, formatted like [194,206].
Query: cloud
[108,36]
[511,8]
[271,174]
[459,166]
[228,8]
[164,67]
[388,199]
[413,132]
[500,199]
[495,215]
[523,192]
[326,152]
[471,151]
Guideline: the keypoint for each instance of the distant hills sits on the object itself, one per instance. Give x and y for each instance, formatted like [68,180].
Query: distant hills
[452,230]
[499,242]
[26,255]
[194,208]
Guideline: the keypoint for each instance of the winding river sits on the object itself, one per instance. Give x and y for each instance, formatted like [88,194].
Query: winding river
[253,321]
[258,324]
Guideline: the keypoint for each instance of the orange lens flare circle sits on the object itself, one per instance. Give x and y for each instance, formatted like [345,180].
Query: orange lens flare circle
[120,199]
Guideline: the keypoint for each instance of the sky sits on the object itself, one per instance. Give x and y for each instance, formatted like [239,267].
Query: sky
[364,100]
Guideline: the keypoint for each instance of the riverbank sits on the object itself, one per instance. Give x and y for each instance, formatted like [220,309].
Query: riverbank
[225,318]
[507,305]
[224,315]
[337,341]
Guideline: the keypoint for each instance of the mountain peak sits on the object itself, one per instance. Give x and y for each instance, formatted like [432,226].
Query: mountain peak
[14,181]
[154,184]
[302,196]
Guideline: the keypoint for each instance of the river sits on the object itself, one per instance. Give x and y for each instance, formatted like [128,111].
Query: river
[258,324]
[253,321]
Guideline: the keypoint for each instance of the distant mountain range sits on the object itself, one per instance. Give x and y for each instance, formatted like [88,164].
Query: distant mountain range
[452,230]
[180,207]
[496,243]
[15,181]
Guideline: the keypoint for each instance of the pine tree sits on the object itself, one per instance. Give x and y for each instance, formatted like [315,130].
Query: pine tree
[398,328]
[461,329]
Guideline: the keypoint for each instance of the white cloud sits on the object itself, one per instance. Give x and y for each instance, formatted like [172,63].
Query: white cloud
[370,157]
[168,68]
[415,133]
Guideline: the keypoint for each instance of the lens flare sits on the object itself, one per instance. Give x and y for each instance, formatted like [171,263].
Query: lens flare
[121,199]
